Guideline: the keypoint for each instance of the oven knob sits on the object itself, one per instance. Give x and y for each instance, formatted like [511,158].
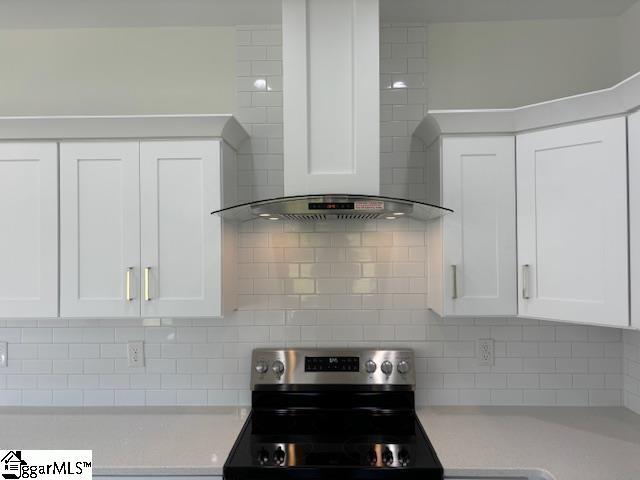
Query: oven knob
[263,456]
[386,367]
[278,368]
[403,457]
[387,457]
[403,367]
[262,367]
[370,366]
[372,458]
[278,456]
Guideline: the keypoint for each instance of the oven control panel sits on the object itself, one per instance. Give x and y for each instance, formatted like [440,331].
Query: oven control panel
[329,366]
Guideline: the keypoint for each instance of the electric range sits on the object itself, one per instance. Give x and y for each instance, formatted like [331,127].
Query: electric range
[332,414]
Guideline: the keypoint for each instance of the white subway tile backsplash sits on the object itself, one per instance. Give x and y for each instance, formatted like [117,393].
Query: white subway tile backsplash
[68,366]
[631,370]
[161,397]
[392,65]
[266,37]
[53,351]
[21,351]
[578,398]
[555,380]
[21,381]
[37,335]
[98,397]
[67,398]
[37,366]
[37,397]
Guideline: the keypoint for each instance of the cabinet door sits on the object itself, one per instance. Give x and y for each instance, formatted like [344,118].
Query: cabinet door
[29,230]
[480,236]
[634,215]
[572,223]
[99,229]
[181,240]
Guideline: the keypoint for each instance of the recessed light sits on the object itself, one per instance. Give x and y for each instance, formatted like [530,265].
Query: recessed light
[390,218]
[274,218]
[265,214]
[397,214]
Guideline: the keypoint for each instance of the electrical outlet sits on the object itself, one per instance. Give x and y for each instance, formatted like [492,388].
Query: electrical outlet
[135,354]
[3,354]
[484,352]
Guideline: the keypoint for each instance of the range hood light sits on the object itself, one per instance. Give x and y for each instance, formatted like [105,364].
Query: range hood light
[397,214]
[274,218]
[265,215]
[391,218]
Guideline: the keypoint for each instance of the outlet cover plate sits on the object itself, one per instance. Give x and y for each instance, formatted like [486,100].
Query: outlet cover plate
[135,354]
[484,352]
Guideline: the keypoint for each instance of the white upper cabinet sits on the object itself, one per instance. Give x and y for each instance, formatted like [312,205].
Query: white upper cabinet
[572,223]
[634,214]
[181,243]
[480,236]
[137,234]
[472,262]
[99,229]
[29,230]
[331,96]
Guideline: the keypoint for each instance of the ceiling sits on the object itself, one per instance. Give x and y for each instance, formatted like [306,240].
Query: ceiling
[150,13]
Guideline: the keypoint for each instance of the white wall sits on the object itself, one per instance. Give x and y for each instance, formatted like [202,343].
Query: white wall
[508,64]
[117,71]
[630,41]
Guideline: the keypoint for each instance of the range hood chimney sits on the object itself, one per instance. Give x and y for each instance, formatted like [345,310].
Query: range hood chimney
[331,79]
[331,76]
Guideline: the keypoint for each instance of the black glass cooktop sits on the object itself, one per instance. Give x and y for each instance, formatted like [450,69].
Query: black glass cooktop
[340,442]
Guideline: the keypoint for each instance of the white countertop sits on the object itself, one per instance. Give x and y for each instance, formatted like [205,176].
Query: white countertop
[130,440]
[569,443]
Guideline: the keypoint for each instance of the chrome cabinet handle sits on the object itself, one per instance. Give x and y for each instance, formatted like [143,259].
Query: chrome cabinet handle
[525,281]
[147,295]
[454,276]
[127,282]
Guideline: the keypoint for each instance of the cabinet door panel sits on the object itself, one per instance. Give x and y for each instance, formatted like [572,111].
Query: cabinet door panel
[572,223]
[29,225]
[180,186]
[480,236]
[100,230]
[634,215]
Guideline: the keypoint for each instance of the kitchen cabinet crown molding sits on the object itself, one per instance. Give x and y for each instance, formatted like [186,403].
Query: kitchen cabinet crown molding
[619,99]
[63,127]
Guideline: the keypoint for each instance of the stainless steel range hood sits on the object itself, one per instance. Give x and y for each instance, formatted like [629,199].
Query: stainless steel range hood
[306,208]
[331,112]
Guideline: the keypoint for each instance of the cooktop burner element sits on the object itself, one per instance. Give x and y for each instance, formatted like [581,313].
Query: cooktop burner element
[332,414]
